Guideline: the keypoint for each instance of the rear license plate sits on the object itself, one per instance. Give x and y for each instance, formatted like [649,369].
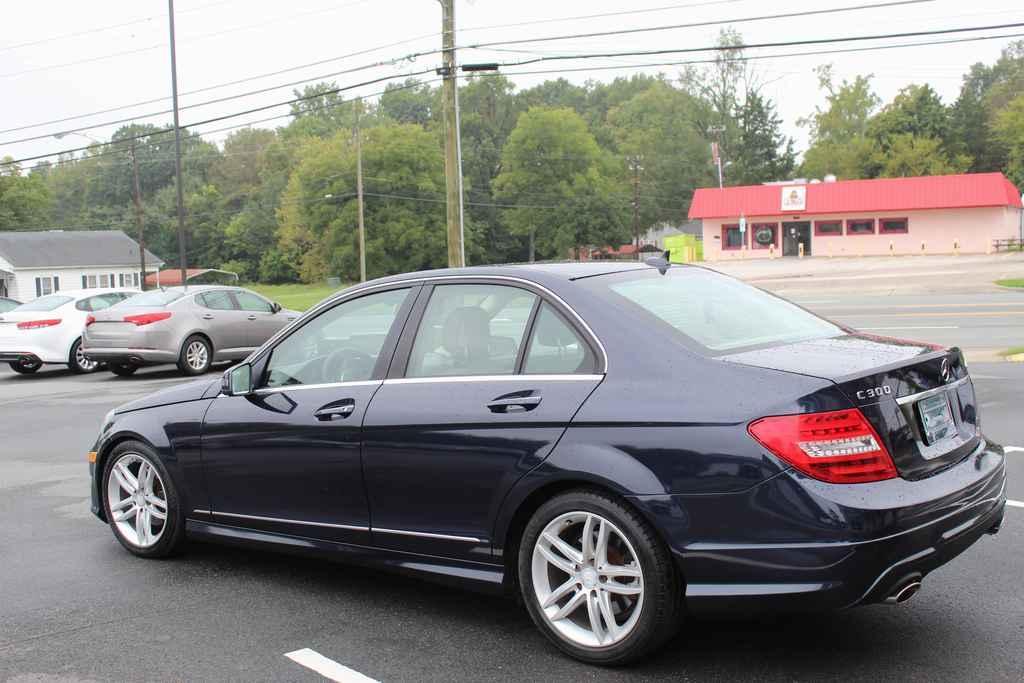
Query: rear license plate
[936,418]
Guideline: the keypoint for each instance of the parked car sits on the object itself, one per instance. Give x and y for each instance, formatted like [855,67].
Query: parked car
[7,304]
[193,328]
[49,329]
[615,442]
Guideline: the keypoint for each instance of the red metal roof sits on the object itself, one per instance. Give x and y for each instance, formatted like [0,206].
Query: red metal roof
[848,196]
[171,277]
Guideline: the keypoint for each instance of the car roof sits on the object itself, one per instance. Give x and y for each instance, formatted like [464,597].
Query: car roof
[84,293]
[537,272]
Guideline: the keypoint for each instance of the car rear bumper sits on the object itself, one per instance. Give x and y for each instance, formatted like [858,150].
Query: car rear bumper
[131,356]
[795,544]
[31,355]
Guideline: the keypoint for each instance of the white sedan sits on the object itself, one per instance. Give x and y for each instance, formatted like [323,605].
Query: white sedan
[49,329]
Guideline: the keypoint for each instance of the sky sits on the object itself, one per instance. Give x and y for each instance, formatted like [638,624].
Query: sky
[65,58]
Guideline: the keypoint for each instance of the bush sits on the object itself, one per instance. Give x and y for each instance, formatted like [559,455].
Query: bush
[243,269]
[275,268]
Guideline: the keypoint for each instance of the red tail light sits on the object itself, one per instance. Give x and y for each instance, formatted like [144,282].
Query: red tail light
[89,320]
[839,446]
[147,318]
[36,324]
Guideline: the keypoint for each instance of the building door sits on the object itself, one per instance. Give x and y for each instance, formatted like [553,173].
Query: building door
[795,234]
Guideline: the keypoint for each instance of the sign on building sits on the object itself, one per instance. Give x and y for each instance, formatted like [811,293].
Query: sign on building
[794,198]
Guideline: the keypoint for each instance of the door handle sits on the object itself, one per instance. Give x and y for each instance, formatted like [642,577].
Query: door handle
[207,316]
[252,317]
[330,411]
[514,404]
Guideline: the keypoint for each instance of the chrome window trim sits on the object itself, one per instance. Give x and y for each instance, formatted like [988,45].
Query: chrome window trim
[326,385]
[904,400]
[410,282]
[424,534]
[291,521]
[495,378]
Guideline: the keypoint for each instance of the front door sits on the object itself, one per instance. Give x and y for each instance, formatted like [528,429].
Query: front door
[262,322]
[286,458]
[475,400]
[795,234]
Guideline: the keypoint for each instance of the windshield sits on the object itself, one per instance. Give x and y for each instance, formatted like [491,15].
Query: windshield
[155,298]
[717,312]
[43,303]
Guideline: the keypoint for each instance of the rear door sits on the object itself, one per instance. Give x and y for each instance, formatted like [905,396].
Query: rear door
[225,323]
[485,381]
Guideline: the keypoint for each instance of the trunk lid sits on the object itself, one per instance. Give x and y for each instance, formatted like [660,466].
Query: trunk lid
[918,397]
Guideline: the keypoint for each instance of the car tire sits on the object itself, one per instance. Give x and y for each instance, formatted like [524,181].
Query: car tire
[24,369]
[196,356]
[123,369]
[646,602]
[77,361]
[134,511]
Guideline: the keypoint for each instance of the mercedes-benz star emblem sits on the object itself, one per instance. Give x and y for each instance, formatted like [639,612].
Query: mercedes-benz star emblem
[944,370]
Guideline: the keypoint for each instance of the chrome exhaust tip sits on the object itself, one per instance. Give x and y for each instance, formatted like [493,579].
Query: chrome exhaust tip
[904,593]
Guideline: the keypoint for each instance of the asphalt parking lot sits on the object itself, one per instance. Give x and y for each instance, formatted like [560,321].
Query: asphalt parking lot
[75,606]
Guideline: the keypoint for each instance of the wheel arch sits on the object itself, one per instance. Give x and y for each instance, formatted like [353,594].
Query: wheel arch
[103,455]
[511,532]
[196,333]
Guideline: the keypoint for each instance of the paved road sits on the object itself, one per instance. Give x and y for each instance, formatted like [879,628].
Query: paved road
[983,324]
[74,606]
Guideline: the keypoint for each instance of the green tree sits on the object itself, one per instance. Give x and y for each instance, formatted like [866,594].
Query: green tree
[839,138]
[410,102]
[24,199]
[915,155]
[561,180]
[764,152]
[321,113]
[1009,131]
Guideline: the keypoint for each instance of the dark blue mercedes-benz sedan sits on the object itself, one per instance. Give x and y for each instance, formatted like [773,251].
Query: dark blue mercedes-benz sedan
[617,443]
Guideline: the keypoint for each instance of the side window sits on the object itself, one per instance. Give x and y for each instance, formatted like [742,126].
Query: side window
[99,302]
[218,300]
[555,347]
[250,302]
[340,345]
[471,330]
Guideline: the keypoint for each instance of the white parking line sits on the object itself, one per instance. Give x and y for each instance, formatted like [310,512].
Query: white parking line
[914,327]
[328,668]
[1011,449]
[1015,503]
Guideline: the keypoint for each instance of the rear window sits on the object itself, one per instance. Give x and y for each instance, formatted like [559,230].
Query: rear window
[43,303]
[157,297]
[716,312]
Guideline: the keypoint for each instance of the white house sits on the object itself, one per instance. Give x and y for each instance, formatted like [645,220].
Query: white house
[36,263]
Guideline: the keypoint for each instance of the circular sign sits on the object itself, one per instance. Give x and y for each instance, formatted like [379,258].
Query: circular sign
[764,236]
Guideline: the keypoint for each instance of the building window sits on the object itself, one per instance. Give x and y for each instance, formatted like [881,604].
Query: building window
[860,226]
[764,235]
[105,280]
[893,226]
[732,238]
[47,285]
[828,228]
[135,279]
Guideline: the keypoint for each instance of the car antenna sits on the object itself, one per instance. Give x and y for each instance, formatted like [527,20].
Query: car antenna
[660,262]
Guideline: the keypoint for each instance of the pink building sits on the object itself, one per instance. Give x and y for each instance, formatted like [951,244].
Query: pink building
[934,214]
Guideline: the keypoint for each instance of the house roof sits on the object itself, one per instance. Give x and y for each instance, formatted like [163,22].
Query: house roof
[847,196]
[73,248]
[171,277]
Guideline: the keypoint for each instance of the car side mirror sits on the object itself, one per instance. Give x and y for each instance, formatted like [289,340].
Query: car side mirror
[275,307]
[237,381]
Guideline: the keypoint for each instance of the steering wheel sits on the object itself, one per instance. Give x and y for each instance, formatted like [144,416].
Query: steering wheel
[339,363]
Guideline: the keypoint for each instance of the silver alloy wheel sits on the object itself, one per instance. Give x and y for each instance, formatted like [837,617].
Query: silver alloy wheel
[84,363]
[196,355]
[587,579]
[137,500]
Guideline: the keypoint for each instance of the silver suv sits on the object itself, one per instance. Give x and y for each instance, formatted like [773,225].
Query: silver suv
[192,328]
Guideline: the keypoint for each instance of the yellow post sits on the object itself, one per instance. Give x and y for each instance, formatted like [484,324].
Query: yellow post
[800,250]
[956,247]
[922,248]
[892,248]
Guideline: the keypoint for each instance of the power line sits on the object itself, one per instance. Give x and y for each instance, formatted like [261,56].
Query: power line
[740,20]
[224,117]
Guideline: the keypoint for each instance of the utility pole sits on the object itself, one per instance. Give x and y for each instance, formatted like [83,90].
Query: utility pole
[359,193]
[716,151]
[452,144]
[634,163]
[137,196]
[177,151]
